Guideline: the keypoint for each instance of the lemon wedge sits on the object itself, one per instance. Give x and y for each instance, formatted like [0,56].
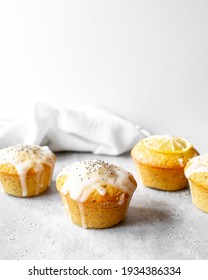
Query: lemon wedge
[167,144]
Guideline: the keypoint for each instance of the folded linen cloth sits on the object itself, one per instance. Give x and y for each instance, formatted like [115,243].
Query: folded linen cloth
[84,128]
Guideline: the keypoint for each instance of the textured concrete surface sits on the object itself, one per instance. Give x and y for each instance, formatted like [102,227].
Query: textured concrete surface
[159,225]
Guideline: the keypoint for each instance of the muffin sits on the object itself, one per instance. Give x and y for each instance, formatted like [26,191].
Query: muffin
[160,161]
[96,194]
[26,170]
[196,172]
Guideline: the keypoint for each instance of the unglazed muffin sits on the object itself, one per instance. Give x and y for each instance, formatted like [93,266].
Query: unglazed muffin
[196,172]
[96,194]
[160,161]
[26,170]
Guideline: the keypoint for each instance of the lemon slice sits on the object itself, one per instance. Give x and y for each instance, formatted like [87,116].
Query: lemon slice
[167,144]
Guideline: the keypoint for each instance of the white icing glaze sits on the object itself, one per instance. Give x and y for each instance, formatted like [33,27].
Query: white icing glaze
[25,157]
[1,188]
[65,202]
[82,214]
[85,176]
[39,177]
[197,164]
[181,162]
[81,210]
[122,198]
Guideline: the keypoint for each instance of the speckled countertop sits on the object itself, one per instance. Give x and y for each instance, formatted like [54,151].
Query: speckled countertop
[159,225]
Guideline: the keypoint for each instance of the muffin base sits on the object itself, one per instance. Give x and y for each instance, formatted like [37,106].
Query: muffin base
[199,196]
[167,179]
[92,215]
[11,183]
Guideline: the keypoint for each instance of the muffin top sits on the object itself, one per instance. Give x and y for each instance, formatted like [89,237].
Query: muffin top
[25,156]
[22,153]
[163,151]
[197,170]
[82,178]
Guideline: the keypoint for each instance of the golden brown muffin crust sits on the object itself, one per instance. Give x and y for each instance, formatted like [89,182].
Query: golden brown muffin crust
[141,153]
[112,194]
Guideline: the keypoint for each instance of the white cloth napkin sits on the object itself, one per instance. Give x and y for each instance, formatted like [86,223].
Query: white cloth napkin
[84,128]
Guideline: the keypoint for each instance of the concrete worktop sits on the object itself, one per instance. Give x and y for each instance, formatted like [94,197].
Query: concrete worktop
[159,224]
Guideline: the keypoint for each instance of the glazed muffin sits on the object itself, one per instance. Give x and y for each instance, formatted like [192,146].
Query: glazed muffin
[160,161]
[26,170]
[196,172]
[96,194]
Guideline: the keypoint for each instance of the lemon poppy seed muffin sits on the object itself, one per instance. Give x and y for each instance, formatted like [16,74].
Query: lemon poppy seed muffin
[196,172]
[160,161]
[96,194]
[26,170]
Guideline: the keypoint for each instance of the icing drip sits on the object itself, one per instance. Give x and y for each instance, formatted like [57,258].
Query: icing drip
[82,215]
[25,157]
[1,188]
[85,176]
[181,162]
[197,164]
[65,202]
[122,198]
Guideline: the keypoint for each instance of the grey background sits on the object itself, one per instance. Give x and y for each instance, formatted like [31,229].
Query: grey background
[159,225]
